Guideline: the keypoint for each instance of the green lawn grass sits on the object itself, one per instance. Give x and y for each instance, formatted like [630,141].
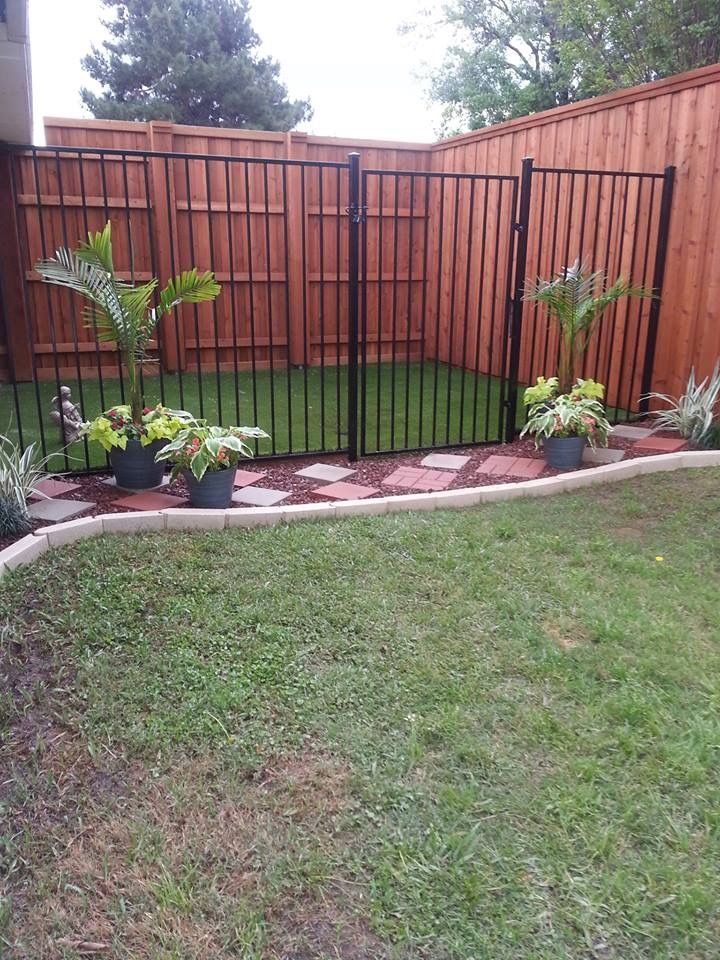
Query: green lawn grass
[489,733]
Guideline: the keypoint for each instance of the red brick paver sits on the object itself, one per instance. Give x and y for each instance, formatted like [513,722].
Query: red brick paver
[53,488]
[149,501]
[496,465]
[418,478]
[661,444]
[243,478]
[345,491]
[525,467]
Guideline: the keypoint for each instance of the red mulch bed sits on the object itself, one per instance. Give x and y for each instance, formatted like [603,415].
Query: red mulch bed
[369,472]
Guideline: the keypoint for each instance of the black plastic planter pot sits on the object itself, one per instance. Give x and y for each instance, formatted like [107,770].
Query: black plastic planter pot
[564,453]
[214,491]
[135,467]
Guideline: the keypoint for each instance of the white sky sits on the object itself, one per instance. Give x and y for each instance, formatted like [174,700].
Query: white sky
[362,76]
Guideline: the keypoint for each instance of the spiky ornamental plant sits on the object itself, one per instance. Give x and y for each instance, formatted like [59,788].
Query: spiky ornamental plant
[692,414]
[576,300]
[20,471]
[14,519]
[122,313]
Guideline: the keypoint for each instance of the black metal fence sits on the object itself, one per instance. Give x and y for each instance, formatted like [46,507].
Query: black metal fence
[616,222]
[365,311]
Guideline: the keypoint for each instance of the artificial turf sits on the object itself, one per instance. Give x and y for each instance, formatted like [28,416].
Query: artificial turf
[305,410]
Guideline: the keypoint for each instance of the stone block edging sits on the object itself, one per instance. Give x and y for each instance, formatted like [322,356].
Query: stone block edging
[177,518]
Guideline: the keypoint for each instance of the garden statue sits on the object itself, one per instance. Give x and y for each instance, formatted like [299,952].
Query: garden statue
[66,416]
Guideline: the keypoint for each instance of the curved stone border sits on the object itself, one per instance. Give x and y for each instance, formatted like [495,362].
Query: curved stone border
[35,544]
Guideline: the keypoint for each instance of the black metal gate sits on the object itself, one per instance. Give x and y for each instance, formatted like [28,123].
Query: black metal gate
[436,284]
[443,338]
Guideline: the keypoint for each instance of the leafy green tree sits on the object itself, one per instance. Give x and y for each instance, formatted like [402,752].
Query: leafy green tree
[188,61]
[510,58]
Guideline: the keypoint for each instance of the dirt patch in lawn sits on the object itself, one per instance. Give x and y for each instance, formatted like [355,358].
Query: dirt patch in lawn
[318,930]
[198,859]
[565,634]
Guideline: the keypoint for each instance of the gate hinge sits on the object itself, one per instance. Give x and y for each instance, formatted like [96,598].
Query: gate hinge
[518,228]
[356,212]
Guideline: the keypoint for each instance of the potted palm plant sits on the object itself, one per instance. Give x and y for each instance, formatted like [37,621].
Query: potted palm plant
[564,413]
[127,314]
[207,457]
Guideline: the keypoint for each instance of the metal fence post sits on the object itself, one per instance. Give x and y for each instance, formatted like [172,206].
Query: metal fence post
[515,326]
[354,220]
[658,277]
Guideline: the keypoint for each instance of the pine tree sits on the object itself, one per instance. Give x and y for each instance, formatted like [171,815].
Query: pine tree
[188,61]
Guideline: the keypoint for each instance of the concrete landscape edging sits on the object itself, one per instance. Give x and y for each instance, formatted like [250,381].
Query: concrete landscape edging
[32,546]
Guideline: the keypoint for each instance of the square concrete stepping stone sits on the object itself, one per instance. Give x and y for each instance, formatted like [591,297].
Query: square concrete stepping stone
[149,500]
[243,478]
[602,455]
[55,511]
[445,461]
[660,444]
[259,496]
[345,491]
[324,471]
[628,432]
[52,488]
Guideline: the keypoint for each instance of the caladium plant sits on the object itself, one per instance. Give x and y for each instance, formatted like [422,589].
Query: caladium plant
[568,415]
[201,447]
[116,426]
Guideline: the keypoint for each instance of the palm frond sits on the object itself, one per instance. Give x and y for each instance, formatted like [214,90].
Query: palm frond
[66,269]
[97,249]
[188,287]
[137,299]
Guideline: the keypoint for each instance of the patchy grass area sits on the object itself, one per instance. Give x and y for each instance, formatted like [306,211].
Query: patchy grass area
[474,734]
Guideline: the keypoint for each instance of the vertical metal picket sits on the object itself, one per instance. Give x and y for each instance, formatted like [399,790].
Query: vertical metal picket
[516,305]
[658,277]
[355,216]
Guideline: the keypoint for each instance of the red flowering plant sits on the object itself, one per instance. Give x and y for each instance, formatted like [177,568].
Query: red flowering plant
[116,426]
[200,447]
[579,413]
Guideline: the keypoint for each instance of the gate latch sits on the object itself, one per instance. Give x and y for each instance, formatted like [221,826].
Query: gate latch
[356,212]
[518,227]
